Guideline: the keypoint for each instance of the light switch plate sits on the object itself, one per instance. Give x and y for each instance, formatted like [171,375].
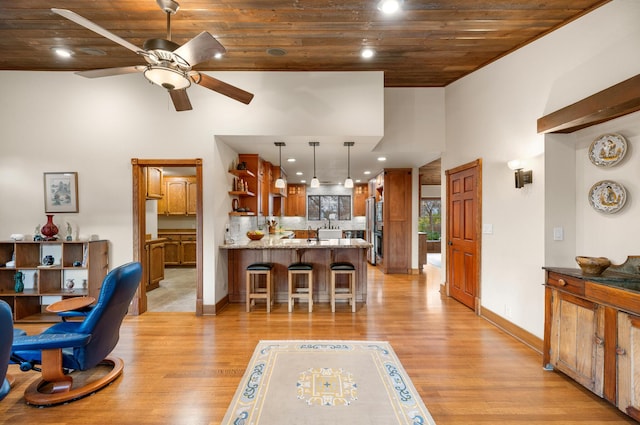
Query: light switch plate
[558,234]
[487,229]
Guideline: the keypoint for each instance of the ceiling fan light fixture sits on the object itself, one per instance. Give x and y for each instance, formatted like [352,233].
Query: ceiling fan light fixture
[170,79]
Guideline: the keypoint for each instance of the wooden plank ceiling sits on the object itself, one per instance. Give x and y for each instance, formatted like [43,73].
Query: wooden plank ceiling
[430,43]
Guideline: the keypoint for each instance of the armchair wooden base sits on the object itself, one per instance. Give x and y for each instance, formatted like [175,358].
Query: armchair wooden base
[55,387]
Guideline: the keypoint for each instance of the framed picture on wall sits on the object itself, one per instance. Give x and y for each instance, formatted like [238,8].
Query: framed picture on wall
[61,192]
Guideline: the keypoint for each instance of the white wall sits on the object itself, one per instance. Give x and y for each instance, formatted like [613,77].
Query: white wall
[492,115]
[57,121]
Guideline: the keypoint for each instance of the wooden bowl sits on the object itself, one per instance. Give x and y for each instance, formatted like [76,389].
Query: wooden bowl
[255,237]
[593,266]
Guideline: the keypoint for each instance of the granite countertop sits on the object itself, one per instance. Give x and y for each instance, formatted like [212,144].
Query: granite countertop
[617,279]
[282,241]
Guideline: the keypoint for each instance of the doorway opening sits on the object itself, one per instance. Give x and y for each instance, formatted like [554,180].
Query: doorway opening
[156,245]
[430,217]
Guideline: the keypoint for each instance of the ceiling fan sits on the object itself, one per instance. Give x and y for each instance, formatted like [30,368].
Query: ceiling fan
[169,65]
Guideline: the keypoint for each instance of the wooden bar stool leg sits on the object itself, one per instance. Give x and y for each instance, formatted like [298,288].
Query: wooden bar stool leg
[352,290]
[290,280]
[333,291]
[269,297]
[248,294]
[310,275]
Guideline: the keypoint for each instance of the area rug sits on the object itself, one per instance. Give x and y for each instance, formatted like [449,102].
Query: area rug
[326,382]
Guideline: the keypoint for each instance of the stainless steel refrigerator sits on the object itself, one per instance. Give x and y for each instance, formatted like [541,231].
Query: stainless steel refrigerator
[370,228]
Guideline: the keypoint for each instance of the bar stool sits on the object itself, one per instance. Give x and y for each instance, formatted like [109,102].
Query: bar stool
[300,292]
[342,268]
[254,289]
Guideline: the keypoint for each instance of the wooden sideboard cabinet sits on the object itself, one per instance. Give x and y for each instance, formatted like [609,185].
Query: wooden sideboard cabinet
[592,333]
[84,263]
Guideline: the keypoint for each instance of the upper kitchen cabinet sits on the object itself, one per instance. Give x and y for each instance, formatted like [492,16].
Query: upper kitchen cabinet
[153,176]
[360,194]
[296,201]
[180,196]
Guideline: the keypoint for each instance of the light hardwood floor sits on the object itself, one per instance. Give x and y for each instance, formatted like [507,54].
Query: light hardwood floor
[182,369]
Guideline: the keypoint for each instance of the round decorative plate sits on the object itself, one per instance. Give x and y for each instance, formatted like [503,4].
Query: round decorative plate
[608,150]
[607,196]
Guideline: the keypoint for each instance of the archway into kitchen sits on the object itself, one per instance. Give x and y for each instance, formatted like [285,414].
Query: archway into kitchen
[167,226]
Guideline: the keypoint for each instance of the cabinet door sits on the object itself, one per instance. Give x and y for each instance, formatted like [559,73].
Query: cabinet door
[156,265]
[628,356]
[192,195]
[577,344]
[172,250]
[188,251]
[176,197]
[154,182]
[360,193]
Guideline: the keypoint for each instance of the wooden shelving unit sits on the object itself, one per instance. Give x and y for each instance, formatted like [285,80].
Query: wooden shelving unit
[44,285]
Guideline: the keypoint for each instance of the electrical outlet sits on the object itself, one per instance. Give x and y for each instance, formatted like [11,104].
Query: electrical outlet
[507,311]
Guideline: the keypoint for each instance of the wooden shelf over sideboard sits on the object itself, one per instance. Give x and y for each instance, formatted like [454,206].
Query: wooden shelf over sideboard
[610,103]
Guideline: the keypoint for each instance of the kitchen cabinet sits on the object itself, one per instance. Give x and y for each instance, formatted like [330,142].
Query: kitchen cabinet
[360,194]
[155,263]
[153,180]
[396,218]
[253,181]
[577,340]
[265,188]
[592,332]
[180,196]
[83,264]
[179,248]
[240,192]
[628,351]
[296,202]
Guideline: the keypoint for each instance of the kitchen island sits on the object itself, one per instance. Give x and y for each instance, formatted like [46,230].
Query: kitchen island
[282,251]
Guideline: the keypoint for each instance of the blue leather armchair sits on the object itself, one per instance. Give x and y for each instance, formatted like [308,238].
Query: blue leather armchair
[6,338]
[70,347]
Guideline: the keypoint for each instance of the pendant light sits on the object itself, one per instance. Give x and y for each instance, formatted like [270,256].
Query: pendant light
[280,181]
[315,183]
[348,183]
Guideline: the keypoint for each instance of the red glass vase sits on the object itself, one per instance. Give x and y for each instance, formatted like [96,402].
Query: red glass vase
[49,230]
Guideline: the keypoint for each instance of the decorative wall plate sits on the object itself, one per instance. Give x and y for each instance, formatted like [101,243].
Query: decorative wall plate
[608,150]
[607,196]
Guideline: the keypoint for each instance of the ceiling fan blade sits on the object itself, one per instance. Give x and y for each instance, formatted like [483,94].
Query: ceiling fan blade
[108,72]
[199,49]
[180,100]
[222,88]
[72,16]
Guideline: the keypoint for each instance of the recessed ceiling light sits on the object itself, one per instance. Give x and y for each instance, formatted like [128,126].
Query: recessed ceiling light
[303,181]
[276,51]
[357,180]
[367,53]
[291,160]
[218,55]
[389,6]
[92,51]
[298,173]
[63,53]
[382,158]
[366,173]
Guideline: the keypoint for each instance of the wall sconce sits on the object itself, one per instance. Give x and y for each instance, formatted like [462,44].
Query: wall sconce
[522,177]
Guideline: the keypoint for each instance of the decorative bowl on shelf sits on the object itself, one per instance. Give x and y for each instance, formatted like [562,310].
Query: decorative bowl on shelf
[593,266]
[255,235]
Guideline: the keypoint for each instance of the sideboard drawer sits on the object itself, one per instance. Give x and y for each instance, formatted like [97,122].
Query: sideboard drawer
[566,283]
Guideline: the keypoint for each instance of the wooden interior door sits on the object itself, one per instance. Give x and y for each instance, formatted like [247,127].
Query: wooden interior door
[463,233]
